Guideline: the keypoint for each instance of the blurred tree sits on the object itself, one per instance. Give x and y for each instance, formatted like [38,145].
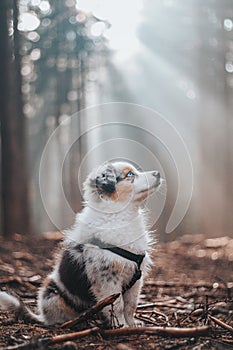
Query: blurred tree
[192,68]
[55,65]
[14,175]
[60,58]
[216,66]
[49,54]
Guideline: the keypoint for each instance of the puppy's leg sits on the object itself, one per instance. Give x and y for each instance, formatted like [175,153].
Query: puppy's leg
[52,306]
[130,303]
[113,316]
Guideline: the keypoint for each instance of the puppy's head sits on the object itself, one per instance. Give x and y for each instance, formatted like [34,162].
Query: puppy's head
[119,183]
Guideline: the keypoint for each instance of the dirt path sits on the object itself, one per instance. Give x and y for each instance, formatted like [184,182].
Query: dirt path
[190,285]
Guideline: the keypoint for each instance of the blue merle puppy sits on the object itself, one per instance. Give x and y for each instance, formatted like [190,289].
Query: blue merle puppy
[105,252]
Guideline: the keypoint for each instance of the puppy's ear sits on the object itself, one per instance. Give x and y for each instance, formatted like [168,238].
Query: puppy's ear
[106,182]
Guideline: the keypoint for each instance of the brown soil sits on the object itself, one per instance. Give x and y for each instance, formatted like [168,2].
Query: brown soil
[190,282]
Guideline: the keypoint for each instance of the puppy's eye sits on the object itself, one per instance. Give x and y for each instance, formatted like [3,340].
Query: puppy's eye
[130,174]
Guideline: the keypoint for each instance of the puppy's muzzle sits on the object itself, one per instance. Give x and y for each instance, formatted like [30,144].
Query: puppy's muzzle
[156,174]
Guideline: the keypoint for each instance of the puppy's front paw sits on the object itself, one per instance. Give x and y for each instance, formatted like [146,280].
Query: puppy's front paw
[139,323]
[135,323]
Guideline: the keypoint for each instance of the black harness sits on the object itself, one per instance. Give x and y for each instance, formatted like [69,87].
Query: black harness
[137,258]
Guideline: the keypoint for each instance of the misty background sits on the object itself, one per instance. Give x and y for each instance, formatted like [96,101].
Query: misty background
[85,69]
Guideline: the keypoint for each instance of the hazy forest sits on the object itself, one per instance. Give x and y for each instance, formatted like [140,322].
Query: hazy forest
[56,60]
[89,81]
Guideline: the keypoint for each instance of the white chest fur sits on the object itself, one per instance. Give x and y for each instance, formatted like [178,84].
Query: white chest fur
[125,229]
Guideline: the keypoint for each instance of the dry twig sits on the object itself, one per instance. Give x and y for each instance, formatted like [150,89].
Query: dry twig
[165,331]
[178,284]
[92,311]
[16,279]
[221,324]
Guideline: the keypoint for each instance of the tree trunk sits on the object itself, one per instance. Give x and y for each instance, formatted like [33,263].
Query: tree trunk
[14,174]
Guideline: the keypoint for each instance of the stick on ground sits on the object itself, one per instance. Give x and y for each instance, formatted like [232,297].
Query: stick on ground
[221,324]
[92,311]
[165,331]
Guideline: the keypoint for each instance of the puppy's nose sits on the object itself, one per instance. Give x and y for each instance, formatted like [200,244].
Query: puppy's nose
[156,174]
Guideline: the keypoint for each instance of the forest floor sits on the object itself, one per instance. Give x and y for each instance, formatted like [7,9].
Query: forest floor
[190,285]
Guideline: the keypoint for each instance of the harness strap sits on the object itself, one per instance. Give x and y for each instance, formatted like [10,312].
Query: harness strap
[137,258]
